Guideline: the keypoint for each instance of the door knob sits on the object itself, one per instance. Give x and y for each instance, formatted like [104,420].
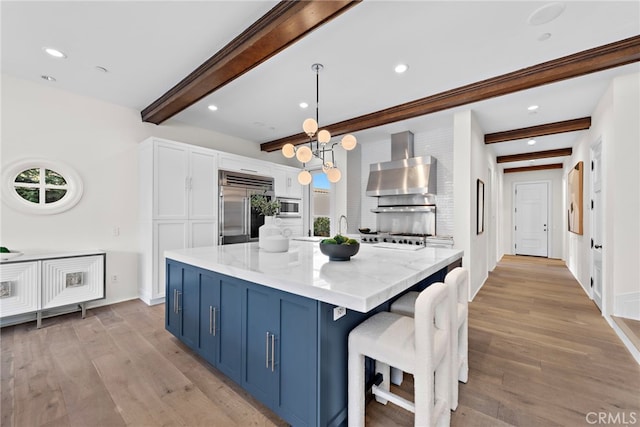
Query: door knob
[598,246]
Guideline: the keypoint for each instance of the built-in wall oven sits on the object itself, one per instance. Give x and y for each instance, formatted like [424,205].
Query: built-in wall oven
[290,208]
[239,222]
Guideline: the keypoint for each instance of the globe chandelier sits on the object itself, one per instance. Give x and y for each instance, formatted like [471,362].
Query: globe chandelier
[319,145]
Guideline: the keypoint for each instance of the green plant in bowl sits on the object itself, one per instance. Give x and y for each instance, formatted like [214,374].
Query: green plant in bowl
[339,248]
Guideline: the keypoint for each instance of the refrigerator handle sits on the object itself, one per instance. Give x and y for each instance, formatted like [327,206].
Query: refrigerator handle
[247,212]
[221,218]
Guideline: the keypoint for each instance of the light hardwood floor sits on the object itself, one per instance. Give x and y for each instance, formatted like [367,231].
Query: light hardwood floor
[540,355]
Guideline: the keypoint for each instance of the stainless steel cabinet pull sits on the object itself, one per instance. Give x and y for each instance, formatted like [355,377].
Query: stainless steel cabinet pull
[215,314]
[266,352]
[210,320]
[175,301]
[273,351]
[179,306]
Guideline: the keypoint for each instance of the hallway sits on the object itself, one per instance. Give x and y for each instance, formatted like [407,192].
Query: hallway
[540,354]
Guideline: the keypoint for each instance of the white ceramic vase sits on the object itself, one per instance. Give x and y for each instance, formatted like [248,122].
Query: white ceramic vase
[271,237]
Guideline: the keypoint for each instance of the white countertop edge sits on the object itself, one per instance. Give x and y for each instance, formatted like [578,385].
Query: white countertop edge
[330,296]
[35,256]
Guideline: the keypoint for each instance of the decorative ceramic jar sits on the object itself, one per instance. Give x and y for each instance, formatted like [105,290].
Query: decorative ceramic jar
[271,238]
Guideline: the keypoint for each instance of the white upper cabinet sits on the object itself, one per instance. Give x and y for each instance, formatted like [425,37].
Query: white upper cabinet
[184,181]
[286,182]
[232,162]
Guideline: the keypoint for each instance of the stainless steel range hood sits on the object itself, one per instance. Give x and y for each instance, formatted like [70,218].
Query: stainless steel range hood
[404,174]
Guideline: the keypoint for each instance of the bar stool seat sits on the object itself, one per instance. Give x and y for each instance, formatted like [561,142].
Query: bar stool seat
[457,281]
[418,345]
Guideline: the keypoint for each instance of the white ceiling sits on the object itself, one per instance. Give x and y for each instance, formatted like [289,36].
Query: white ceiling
[149,46]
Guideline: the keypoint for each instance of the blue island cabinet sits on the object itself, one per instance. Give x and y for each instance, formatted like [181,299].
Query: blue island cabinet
[264,339]
[284,349]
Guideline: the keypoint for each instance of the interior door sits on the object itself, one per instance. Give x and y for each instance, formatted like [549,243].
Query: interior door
[596,224]
[531,219]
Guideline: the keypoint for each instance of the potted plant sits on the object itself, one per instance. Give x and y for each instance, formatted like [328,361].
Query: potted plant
[270,236]
[264,206]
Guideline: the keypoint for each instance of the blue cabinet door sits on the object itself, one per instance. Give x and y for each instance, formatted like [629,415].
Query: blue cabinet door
[174,279]
[259,376]
[189,306]
[229,328]
[297,358]
[209,312]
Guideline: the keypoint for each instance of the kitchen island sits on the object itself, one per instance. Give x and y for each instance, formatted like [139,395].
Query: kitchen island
[277,323]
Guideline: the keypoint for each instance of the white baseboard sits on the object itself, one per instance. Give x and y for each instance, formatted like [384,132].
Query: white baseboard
[627,305]
[632,349]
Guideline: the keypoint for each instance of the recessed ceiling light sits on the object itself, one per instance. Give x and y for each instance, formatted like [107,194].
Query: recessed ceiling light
[54,52]
[546,13]
[401,68]
[532,107]
[212,107]
[102,69]
[544,36]
[531,142]
[304,105]
[48,78]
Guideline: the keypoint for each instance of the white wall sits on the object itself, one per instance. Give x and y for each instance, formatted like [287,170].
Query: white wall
[473,161]
[556,207]
[99,140]
[615,122]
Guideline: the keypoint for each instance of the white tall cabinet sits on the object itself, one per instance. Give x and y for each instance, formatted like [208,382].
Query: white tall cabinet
[178,206]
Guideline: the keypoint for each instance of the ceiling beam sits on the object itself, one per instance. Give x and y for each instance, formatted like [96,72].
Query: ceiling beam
[534,168]
[578,64]
[540,130]
[536,155]
[279,28]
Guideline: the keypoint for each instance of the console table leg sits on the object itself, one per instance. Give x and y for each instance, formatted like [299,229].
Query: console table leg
[38,320]
[83,306]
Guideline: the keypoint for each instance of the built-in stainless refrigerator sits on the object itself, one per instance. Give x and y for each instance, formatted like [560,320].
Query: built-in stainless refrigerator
[239,222]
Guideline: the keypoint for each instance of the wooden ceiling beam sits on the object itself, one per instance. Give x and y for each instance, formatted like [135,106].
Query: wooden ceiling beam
[535,155]
[279,28]
[540,130]
[534,168]
[578,64]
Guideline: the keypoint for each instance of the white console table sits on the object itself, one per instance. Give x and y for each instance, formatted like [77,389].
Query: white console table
[31,284]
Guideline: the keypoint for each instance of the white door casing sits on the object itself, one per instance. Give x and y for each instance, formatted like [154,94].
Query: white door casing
[596,225]
[531,218]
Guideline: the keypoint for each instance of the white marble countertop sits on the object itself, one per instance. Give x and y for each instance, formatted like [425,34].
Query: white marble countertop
[371,277]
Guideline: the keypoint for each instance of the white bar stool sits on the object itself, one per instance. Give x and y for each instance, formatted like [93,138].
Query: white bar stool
[418,345]
[457,280]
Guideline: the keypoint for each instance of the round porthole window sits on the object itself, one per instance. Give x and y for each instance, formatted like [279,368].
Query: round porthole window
[41,186]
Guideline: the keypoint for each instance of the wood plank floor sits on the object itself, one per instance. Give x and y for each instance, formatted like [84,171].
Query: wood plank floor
[540,355]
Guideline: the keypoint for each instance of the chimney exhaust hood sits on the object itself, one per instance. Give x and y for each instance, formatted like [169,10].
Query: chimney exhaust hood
[404,174]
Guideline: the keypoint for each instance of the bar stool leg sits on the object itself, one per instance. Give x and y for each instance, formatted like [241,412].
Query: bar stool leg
[356,388]
[383,368]
[397,376]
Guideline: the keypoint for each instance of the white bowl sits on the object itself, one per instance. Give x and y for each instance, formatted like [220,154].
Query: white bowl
[9,255]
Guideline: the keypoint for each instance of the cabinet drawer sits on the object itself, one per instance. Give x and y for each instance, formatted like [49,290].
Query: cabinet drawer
[19,288]
[72,280]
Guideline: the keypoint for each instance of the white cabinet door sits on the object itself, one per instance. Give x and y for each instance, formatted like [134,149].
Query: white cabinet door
[171,181]
[168,235]
[19,288]
[202,233]
[286,183]
[203,185]
[72,280]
